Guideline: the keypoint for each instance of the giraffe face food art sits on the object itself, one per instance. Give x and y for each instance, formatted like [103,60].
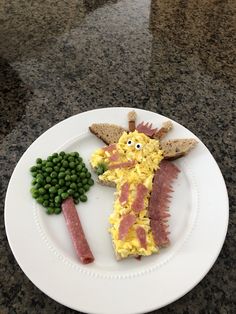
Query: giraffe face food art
[130,164]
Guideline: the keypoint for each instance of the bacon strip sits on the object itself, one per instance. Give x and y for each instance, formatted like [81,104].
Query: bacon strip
[126,164]
[141,234]
[125,224]
[76,232]
[124,193]
[159,201]
[138,203]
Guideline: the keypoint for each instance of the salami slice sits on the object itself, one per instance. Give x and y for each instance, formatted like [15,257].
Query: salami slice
[159,201]
[138,203]
[125,224]
[76,232]
[124,193]
[141,234]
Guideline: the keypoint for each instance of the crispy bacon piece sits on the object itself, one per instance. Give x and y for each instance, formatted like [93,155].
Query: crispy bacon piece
[141,234]
[125,224]
[124,193]
[146,129]
[138,203]
[159,201]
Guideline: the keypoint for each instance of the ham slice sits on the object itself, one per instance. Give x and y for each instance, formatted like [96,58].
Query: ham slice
[159,201]
[146,129]
[141,234]
[109,148]
[76,232]
[115,156]
[126,164]
[126,223]
[138,203]
[124,193]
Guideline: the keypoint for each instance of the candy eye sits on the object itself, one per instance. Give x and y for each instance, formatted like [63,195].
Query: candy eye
[138,146]
[130,143]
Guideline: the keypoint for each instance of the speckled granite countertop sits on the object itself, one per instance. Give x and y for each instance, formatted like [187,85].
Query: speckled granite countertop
[177,58]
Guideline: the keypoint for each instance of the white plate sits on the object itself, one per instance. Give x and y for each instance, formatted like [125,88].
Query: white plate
[43,249]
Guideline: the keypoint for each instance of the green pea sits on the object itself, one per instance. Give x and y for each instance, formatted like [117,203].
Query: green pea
[67,171]
[54,181]
[35,194]
[74,177]
[64,195]
[57,210]
[61,182]
[46,203]
[73,154]
[76,200]
[48,179]
[53,174]
[40,181]
[81,191]
[55,155]
[57,199]
[38,160]
[82,175]
[39,200]
[88,175]
[71,158]
[70,191]
[67,183]
[46,196]
[49,158]
[67,177]
[57,168]
[52,189]
[84,181]
[37,186]
[42,191]
[55,160]
[73,186]
[79,167]
[83,198]
[51,204]
[65,163]
[49,164]
[50,210]
[62,154]
[60,191]
[49,169]
[79,185]
[44,162]
[34,182]
[33,169]
[59,158]
[34,174]
[86,187]
[76,195]
[79,159]
[39,166]
[61,175]
[62,169]
[73,171]
[91,182]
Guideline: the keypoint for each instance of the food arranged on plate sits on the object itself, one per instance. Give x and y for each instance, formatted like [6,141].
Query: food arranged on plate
[137,161]
[60,182]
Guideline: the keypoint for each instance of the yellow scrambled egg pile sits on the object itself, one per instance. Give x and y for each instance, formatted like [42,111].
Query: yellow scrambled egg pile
[146,156]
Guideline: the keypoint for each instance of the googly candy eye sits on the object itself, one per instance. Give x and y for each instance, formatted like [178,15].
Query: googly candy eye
[130,143]
[138,146]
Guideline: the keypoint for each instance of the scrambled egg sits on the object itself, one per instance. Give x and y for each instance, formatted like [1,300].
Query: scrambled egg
[144,155]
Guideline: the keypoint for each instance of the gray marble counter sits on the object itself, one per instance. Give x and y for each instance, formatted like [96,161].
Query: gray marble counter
[60,58]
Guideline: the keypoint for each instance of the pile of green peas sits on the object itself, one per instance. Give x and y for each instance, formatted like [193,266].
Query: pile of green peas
[58,177]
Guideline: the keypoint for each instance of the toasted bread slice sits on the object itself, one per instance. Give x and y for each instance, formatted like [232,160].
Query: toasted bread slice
[173,149]
[108,133]
[166,127]
[132,120]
